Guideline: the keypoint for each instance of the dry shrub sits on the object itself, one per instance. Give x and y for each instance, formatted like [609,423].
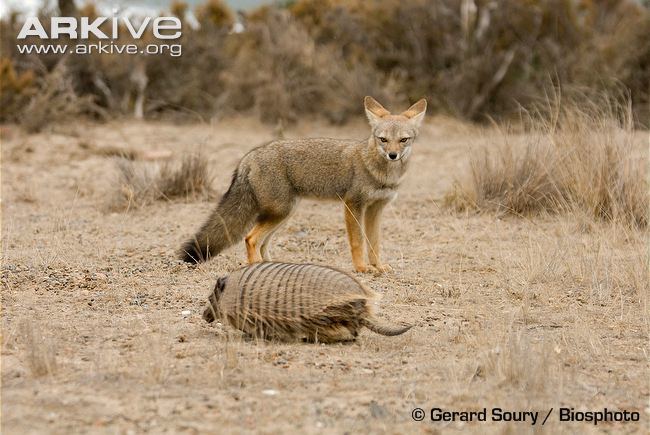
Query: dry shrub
[519,361]
[578,158]
[137,186]
[601,171]
[16,89]
[188,86]
[55,101]
[214,13]
[469,58]
[472,58]
[140,184]
[279,71]
[191,179]
[514,180]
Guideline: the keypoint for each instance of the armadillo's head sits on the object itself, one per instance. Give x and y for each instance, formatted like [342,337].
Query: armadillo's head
[212,310]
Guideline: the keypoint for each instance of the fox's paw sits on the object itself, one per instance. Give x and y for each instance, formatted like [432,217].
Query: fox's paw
[382,268]
[362,268]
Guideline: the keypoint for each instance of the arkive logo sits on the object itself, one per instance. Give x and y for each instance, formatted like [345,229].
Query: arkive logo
[82,28]
[100,35]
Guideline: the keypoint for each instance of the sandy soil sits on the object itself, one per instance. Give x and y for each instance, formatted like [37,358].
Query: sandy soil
[522,314]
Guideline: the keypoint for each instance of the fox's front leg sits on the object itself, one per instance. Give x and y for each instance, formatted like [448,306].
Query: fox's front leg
[373,230]
[353,221]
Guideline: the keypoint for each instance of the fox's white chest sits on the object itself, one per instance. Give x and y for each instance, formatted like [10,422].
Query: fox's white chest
[393,176]
[383,195]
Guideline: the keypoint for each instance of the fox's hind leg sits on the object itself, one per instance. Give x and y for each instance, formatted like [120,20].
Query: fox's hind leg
[266,241]
[261,234]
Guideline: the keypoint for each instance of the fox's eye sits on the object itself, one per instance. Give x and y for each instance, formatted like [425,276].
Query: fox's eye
[404,139]
[383,139]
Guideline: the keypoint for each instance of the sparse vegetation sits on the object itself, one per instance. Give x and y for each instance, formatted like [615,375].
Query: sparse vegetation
[140,184]
[506,311]
[577,157]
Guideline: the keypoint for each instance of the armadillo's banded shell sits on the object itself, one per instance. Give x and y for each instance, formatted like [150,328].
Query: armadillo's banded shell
[290,296]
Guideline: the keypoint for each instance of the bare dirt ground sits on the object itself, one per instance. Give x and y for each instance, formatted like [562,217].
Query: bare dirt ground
[519,313]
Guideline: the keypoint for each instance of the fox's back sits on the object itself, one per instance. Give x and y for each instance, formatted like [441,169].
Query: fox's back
[318,167]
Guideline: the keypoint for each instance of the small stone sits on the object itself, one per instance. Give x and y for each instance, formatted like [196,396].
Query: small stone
[186,313]
[270,392]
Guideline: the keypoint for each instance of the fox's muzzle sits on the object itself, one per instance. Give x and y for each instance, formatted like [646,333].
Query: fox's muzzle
[394,156]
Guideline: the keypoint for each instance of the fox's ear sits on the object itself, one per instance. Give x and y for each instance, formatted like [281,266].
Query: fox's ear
[416,112]
[374,110]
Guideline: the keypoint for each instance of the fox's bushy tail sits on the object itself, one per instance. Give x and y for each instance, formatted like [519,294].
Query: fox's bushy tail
[227,224]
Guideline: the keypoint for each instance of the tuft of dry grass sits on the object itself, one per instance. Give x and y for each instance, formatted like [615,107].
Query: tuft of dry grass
[140,184]
[39,349]
[578,158]
[189,179]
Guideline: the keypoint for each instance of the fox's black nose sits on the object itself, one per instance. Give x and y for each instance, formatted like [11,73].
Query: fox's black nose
[392,156]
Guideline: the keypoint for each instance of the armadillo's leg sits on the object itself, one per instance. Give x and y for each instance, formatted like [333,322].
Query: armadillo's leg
[264,226]
[353,223]
[373,230]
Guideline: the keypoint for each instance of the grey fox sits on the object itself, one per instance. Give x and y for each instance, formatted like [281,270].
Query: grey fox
[270,179]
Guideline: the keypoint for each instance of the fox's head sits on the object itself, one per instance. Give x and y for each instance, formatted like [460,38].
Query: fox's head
[393,135]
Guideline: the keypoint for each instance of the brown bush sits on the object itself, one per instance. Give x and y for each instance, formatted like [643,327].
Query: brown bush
[15,90]
[473,58]
[55,101]
[581,160]
[214,13]
[278,71]
[470,58]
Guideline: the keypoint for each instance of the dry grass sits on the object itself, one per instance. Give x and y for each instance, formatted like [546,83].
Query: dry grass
[140,184]
[578,159]
[38,349]
[190,179]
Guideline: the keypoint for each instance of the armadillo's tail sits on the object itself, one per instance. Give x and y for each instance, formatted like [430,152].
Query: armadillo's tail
[384,329]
